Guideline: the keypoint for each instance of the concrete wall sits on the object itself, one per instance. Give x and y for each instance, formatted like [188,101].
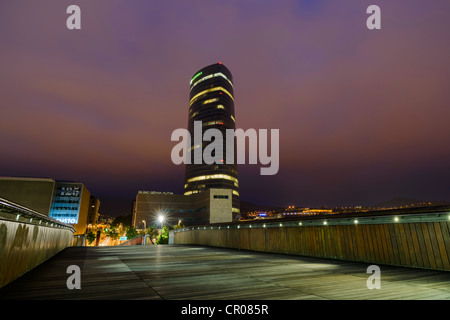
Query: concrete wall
[23,246]
[220,208]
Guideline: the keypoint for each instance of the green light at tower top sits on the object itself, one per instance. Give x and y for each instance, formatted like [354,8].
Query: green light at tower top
[197,75]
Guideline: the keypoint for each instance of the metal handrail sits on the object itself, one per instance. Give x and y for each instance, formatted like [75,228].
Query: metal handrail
[22,211]
[328,220]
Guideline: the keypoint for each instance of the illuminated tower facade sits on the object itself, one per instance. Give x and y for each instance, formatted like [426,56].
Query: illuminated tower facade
[211,101]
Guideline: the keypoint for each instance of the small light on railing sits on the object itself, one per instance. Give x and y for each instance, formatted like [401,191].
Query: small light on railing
[264,225]
[281,224]
[239,227]
[299,223]
[325,223]
[355,221]
[250,226]
[396,219]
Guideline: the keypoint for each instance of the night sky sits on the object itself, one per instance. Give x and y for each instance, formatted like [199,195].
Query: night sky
[363,115]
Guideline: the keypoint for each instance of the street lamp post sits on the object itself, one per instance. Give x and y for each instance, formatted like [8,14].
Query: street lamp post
[145,236]
[161,220]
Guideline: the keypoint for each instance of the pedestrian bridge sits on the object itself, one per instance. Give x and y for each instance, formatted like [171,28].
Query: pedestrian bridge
[302,258]
[179,272]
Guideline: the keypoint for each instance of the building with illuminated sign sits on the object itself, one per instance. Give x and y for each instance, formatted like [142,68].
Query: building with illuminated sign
[67,202]
[70,205]
[211,101]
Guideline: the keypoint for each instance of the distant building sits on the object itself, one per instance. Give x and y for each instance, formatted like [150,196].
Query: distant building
[93,212]
[67,202]
[306,211]
[210,206]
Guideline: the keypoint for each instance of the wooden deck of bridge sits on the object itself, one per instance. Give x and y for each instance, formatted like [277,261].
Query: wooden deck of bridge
[205,273]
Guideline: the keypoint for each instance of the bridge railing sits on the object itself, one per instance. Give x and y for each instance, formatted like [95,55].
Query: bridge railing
[138,240]
[27,238]
[420,240]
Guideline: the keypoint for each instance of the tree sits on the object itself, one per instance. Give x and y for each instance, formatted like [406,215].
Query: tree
[124,220]
[112,233]
[152,232]
[131,232]
[164,237]
[91,236]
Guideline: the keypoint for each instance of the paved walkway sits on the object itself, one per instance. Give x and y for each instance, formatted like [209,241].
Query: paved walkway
[204,273]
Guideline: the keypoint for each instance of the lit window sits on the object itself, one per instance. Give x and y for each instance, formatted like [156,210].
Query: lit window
[194,98]
[219,74]
[214,176]
[220,106]
[194,114]
[232,118]
[210,100]
[187,193]
[211,123]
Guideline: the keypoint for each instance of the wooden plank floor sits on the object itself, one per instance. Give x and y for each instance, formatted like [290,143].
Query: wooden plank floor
[205,273]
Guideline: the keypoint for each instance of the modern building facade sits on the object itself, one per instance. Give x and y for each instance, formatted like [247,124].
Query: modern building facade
[210,206]
[67,202]
[211,101]
[71,205]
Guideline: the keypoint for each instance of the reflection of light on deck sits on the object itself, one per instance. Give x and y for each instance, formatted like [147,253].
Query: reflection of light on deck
[105,242]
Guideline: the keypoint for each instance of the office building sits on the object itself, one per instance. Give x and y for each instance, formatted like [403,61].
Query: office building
[67,202]
[93,212]
[207,207]
[70,204]
[211,101]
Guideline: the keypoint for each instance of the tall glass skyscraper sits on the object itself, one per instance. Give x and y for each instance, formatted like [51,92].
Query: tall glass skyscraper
[211,101]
